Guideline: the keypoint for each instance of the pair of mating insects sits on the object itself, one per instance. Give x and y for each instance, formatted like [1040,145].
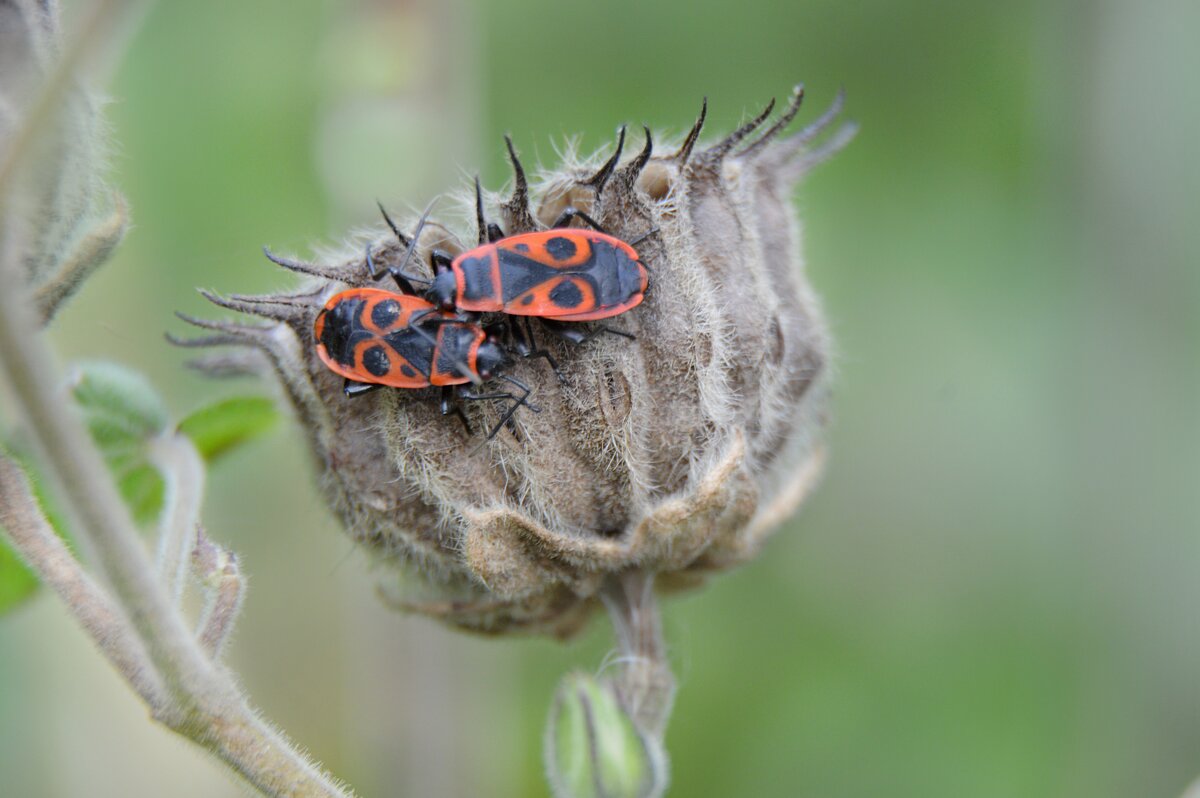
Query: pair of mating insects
[417,339]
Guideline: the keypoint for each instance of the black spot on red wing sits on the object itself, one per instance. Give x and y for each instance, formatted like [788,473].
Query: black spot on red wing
[521,247]
[384,314]
[566,295]
[561,248]
[376,361]
[408,371]
[527,299]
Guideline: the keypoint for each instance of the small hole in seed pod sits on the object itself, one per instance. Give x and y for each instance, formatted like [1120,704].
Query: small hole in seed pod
[655,180]
[615,402]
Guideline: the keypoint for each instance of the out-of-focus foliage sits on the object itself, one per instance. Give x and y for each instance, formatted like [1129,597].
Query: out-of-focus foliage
[123,413]
[16,581]
[219,428]
[992,594]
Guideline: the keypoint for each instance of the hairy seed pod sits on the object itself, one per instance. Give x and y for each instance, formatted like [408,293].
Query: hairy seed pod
[676,452]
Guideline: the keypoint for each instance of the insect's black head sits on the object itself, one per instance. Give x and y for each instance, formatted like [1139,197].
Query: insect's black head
[491,358]
[442,292]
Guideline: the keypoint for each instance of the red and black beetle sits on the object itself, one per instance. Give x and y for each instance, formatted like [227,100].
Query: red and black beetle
[558,274]
[375,338]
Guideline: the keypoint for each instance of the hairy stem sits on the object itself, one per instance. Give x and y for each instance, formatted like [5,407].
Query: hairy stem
[183,474]
[89,496]
[32,536]
[644,681]
[150,643]
[202,701]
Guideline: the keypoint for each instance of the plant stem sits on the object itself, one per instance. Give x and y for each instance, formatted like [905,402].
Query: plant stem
[46,553]
[183,475]
[201,701]
[152,645]
[644,682]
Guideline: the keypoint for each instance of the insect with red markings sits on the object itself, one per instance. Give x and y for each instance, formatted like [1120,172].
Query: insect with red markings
[375,338]
[558,275]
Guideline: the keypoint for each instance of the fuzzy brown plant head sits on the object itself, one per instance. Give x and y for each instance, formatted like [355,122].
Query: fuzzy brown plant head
[675,452]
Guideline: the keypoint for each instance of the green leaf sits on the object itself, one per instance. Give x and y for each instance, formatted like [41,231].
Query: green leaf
[17,582]
[142,488]
[218,428]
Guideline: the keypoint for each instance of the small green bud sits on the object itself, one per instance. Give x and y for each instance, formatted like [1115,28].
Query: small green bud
[121,407]
[124,413]
[593,748]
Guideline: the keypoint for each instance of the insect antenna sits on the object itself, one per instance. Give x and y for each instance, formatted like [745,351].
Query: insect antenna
[402,278]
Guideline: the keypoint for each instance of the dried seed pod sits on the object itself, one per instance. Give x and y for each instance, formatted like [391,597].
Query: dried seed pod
[676,452]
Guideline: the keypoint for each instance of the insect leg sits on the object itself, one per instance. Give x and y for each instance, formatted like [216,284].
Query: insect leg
[652,231]
[353,389]
[506,419]
[573,334]
[448,405]
[564,219]
[525,343]
[440,260]
[402,279]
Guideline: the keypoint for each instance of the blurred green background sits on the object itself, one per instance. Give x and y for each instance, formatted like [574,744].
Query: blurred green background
[995,592]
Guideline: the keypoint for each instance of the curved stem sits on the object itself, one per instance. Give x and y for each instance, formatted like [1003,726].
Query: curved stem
[201,701]
[152,645]
[45,552]
[183,475]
